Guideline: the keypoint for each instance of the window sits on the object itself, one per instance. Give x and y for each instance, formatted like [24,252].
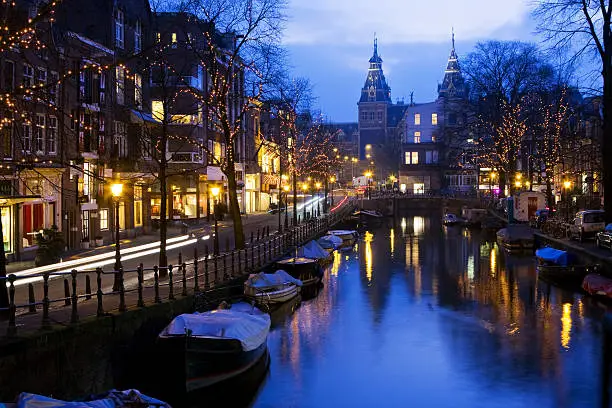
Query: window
[428,157]
[138,90]
[137,206]
[371,115]
[119,29]
[53,87]
[120,85]
[157,37]
[174,40]
[417,118]
[103,213]
[417,137]
[157,110]
[120,139]
[8,76]
[411,158]
[41,76]
[26,137]
[364,115]
[121,216]
[418,188]
[39,137]
[28,76]
[146,145]
[380,116]
[102,88]
[433,139]
[52,135]
[434,118]
[137,37]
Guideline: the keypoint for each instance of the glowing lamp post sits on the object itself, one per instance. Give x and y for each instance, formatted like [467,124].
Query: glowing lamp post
[286,188]
[304,188]
[116,190]
[318,185]
[566,186]
[332,180]
[491,183]
[368,175]
[215,192]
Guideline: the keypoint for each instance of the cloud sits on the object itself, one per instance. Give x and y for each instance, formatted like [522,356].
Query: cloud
[398,21]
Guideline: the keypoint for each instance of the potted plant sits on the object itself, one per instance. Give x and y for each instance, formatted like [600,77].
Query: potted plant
[99,240]
[85,243]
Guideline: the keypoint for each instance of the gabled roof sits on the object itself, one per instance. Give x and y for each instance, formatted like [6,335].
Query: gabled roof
[375,88]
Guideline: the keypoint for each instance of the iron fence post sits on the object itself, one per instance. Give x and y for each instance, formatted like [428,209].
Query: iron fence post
[170,283]
[12,327]
[74,317]
[156,283]
[122,307]
[99,293]
[46,322]
[140,272]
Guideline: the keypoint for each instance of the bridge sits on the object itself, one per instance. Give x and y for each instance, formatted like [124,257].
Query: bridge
[64,326]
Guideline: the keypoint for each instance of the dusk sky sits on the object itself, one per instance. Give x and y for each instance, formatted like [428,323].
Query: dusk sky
[330,42]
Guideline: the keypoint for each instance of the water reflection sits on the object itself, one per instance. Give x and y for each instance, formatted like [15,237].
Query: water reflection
[437,317]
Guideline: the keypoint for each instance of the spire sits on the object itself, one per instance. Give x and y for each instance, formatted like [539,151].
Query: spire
[375,58]
[453,84]
[375,88]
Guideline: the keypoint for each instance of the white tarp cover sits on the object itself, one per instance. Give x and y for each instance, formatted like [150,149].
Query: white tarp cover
[114,399]
[330,242]
[313,250]
[266,280]
[246,324]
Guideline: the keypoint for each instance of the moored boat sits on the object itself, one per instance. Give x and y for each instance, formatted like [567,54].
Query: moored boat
[597,285]
[330,242]
[110,399]
[451,219]
[213,350]
[349,237]
[308,270]
[313,250]
[271,288]
[558,266]
[516,238]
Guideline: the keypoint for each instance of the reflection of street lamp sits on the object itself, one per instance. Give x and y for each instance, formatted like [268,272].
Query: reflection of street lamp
[566,186]
[116,190]
[215,192]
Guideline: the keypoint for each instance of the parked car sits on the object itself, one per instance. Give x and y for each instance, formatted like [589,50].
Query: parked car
[587,224]
[604,238]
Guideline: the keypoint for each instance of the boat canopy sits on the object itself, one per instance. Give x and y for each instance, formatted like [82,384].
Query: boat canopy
[313,250]
[244,323]
[330,242]
[299,260]
[266,280]
[553,255]
[112,399]
[343,232]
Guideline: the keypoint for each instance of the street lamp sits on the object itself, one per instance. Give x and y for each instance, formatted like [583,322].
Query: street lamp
[368,175]
[566,186]
[304,188]
[116,190]
[318,185]
[215,192]
[332,180]
[286,188]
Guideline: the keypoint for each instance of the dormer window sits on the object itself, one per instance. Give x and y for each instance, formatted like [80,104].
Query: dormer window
[119,29]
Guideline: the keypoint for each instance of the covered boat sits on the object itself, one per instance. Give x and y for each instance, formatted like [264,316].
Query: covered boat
[597,285]
[111,399]
[214,350]
[451,219]
[308,270]
[330,242]
[349,237]
[272,288]
[313,250]
[558,265]
[516,238]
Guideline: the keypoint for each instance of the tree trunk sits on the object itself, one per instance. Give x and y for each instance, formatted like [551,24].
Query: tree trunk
[607,123]
[295,219]
[549,195]
[163,220]
[4,300]
[234,208]
[502,184]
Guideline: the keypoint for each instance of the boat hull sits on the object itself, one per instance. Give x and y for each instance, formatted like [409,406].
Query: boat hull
[274,296]
[310,273]
[565,275]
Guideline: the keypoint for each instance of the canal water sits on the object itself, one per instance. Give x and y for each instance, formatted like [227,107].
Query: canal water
[422,315]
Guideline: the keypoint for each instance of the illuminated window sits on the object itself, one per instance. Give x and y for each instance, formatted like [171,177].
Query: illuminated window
[411,158]
[137,206]
[434,118]
[28,76]
[415,157]
[120,84]
[157,110]
[137,37]
[103,215]
[174,40]
[26,137]
[158,37]
[433,139]
[417,137]
[138,90]
[417,118]
[119,29]
[39,137]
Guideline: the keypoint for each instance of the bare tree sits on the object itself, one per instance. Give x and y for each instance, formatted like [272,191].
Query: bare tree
[584,26]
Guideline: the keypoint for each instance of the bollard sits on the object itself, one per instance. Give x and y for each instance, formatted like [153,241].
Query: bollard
[156,283]
[122,307]
[99,293]
[170,283]
[196,287]
[184,268]
[66,292]
[32,299]
[87,287]
[206,277]
[74,317]
[46,322]
[12,327]
[140,272]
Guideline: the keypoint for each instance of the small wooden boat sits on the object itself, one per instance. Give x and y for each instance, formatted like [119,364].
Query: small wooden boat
[308,270]
[349,237]
[557,266]
[113,398]
[271,288]
[516,238]
[212,351]
[330,242]
[597,285]
[313,250]
[451,219]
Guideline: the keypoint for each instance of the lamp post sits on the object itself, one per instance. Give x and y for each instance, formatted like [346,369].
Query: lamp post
[304,188]
[491,181]
[332,180]
[286,188]
[566,186]
[368,175]
[116,190]
[215,192]
[318,184]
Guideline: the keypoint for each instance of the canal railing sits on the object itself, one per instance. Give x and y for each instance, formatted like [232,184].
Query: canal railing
[145,285]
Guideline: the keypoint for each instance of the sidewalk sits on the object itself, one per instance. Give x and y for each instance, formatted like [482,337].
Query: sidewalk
[201,228]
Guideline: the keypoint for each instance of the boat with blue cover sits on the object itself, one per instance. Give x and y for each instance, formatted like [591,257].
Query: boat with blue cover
[560,266]
[271,288]
[110,399]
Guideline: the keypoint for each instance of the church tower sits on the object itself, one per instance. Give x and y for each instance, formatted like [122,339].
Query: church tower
[453,85]
[373,103]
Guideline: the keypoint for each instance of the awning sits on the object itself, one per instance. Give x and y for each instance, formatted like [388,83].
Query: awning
[11,200]
[141,117]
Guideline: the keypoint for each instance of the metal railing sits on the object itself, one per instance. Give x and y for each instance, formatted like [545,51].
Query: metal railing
[157,283]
